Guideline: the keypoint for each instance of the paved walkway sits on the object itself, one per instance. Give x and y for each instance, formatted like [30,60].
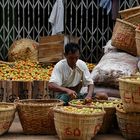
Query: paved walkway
[16,133]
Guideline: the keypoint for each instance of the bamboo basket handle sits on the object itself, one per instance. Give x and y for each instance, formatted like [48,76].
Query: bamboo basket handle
[16,101]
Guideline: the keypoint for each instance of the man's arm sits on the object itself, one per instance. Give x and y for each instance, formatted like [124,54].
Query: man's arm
[90,91]
[56,88]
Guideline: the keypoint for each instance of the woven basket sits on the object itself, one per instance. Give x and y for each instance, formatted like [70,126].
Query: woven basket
[134,19]
[129,123]
[74,126]
[137,38]
[23,49]
[7,114]
[109,117]
[36,115]
[123,37]
[128,12]
[129,87]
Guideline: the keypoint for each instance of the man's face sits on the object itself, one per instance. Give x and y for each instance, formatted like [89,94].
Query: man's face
[72,58]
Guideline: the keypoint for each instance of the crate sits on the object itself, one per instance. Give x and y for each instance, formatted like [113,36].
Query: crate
[11,90]
[51,48]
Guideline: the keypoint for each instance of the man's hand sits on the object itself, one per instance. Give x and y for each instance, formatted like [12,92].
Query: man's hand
[72,93]
[88,97]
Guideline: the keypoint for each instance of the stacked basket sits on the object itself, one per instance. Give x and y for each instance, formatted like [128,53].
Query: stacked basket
[125,33]
[109,107]
[128,113]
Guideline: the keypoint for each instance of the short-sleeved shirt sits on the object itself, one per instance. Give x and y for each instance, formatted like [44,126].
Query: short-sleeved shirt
[64,75]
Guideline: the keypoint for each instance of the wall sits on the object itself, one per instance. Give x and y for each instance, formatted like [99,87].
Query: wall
[83,18]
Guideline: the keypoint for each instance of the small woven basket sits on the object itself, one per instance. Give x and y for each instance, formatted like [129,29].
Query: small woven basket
[137,38]
[36,115]
[109,117]
[129,87]
[74,126]
[128,12]
[7,114]
[134,19]
[129,123]
[123,37]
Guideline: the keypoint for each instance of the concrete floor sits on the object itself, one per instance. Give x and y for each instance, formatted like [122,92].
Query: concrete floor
[15,133]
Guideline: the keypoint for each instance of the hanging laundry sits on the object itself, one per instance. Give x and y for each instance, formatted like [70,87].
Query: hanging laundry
[106,4]
[110,5]
[57,17]
[115,9]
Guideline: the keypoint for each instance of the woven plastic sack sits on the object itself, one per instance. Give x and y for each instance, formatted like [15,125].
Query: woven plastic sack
[109,48]
[113,65]
[23,49]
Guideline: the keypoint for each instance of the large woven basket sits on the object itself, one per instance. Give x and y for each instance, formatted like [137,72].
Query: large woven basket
[123,37]
[36,115]
[23,49]
[137,38]
[129,123]
[129,87]
[109,117]
[7,114]
[128,12]
[74,126]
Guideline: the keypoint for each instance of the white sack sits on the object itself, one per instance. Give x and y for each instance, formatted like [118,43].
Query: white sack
[113,65]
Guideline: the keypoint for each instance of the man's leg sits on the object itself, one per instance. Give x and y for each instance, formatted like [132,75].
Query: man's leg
[64,97]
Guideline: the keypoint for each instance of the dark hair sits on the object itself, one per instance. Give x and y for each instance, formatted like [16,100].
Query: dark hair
[71,47]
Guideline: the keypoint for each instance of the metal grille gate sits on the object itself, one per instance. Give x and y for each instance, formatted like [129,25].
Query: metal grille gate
[83,18]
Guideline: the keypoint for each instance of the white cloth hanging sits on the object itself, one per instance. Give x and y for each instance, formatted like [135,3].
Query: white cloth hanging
[106,4]
[57,17]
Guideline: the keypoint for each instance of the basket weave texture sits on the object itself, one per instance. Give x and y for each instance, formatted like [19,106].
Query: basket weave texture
[123,37]
[134,19]
[109,116]
[137,38]
[36,115]
[7,114]
[129,123]
[129,88]
[23,49]
[72,126]
[128,12]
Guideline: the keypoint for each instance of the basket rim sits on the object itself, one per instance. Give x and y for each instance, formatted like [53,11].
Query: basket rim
[134,15]
[123,79]
[90,106]
[129,9]
[119,110]
[56,109]
[128,23]
[26,102]
[137,30]
[11,107]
